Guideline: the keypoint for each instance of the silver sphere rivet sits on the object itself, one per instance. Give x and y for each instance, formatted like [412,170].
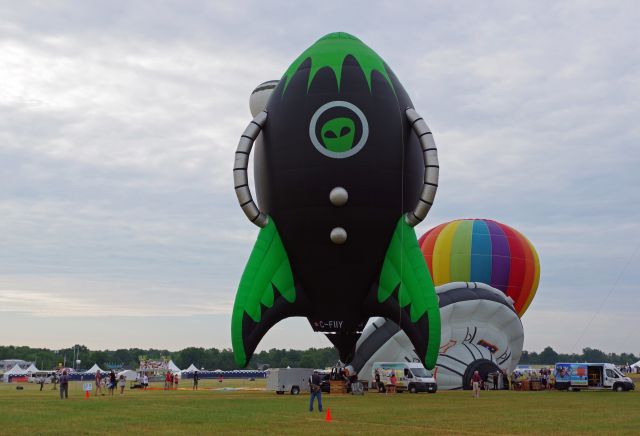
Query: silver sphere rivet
[338,235]
[338,196]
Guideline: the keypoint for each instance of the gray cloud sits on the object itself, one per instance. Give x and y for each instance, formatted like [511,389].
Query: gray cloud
[118,122]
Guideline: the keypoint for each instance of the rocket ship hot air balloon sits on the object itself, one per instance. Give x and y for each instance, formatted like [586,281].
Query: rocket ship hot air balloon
[341,155]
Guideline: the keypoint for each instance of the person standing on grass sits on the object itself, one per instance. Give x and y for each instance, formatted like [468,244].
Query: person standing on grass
[145,381]
[547,380]
[377,379]
[175,381]
[98,382]
[122,383]
[112,382]
[196,377]
[394,381]
[315,391]
[475,383]
[64,385]
[169,380]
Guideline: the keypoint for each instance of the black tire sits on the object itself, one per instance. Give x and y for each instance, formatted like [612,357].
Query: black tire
[295,390]
[280,392]
[618,388]
[413,389]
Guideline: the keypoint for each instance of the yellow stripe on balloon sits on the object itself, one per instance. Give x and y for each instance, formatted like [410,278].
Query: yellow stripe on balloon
[442,254]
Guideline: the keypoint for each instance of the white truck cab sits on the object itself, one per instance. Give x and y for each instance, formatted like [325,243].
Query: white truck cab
[591,376]
[410,376]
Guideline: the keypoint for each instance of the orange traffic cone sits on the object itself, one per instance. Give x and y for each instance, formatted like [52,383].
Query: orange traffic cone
[86,395]
[328,417]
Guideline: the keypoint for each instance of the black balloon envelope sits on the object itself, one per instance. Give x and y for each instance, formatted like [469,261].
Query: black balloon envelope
[344,168]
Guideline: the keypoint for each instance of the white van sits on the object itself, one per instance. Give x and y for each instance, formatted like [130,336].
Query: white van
[576,376]
[410,376]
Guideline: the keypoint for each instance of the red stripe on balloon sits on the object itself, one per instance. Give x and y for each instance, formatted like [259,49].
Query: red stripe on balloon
[518,264]
[423,237]
[427,243]
[529,276]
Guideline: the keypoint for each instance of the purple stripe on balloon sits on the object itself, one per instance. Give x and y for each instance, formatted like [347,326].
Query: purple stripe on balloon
[500,257]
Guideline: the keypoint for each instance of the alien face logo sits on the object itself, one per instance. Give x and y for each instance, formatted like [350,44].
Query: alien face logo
[338,129]
[338,134]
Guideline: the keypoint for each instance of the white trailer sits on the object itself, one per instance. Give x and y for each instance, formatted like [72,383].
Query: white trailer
[293,380]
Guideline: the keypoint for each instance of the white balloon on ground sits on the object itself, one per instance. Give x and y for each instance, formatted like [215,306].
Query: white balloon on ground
[260,96]
[479,330]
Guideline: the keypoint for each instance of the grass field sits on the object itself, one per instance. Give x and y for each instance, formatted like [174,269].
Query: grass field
[256,411]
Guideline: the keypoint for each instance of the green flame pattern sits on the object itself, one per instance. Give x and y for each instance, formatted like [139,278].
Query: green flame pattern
[330,51]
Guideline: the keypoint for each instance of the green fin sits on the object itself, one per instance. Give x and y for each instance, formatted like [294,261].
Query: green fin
[404,267]
[268,268]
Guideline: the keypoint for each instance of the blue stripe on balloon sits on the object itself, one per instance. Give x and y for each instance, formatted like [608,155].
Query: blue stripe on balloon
[480,253]
[500,256]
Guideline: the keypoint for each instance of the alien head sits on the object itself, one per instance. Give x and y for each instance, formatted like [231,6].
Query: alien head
[338,134]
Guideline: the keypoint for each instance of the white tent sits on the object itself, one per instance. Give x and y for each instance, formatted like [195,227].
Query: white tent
[95,368]
[129,375]
[172,367]
[192,368]
[32,368]
[16,370]
[636,365]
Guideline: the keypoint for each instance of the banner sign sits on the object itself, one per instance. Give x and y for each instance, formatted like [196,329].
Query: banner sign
[154,365]
[575,373]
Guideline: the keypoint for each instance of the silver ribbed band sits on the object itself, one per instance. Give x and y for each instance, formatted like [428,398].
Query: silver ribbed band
[431,168]
[240,175]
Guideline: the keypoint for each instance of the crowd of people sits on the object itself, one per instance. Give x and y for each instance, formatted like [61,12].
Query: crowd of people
[628,369]
[110,383]
[391,386]
[171,380]
[105,383]
[529,379]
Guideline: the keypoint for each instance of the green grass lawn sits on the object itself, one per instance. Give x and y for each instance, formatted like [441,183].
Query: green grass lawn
[260,412]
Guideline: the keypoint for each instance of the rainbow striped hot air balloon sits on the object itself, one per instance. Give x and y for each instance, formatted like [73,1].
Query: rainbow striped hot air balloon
[479,250]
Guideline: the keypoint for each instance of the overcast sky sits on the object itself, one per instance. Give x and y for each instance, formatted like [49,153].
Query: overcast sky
[119,226]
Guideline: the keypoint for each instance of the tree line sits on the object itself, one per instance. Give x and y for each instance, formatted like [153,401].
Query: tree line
[209,358]
[214,358]
[549,356]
